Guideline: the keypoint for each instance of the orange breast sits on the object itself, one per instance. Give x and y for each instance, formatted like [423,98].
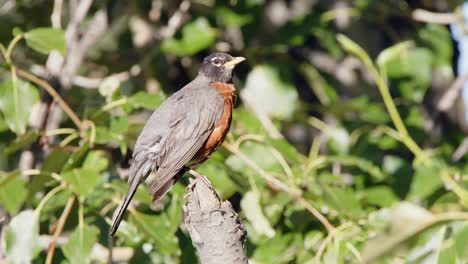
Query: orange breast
[222,128]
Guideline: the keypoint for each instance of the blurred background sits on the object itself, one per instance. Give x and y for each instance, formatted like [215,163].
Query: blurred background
[347,144]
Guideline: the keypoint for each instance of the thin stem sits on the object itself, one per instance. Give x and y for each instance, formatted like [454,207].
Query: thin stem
[393,242]
[52,92]
[69,139]
[48,196]
[384,90]
[3,51]
[295,193]
[11,46]
[114,104]
[60,131]
[58,230]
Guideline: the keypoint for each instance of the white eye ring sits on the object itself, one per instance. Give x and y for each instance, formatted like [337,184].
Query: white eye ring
[216,61]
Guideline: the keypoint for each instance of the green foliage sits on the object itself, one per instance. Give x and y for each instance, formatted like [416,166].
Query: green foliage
[79,246]
[196,36]
[45,40]
[17,99]
[329,157]
[22,238]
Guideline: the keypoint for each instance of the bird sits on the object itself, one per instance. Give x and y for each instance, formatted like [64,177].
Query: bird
[184,130]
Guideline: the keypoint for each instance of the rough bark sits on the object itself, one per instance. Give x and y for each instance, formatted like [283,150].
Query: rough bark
[215,228]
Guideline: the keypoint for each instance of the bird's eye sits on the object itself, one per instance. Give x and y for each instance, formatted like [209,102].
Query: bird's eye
[216,62]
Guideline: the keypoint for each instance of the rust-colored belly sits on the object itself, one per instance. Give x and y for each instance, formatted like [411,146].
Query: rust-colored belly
[222,128]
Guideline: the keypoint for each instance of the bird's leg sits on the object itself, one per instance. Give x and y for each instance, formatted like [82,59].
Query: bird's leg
[198,176]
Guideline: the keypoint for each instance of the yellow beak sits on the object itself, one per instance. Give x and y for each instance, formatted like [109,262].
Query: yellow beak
[232,63]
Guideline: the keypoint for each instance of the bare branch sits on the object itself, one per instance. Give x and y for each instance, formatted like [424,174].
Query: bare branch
[215,228]
[56,17]
[453,92]
[425,16]
[74,117]
[176,20]
[58,230]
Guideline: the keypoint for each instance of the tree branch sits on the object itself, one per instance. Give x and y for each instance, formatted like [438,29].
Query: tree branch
[53,93]
[58,230]
[215,228]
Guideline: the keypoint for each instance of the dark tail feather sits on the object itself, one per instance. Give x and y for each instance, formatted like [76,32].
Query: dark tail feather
[123,207]
[160,189]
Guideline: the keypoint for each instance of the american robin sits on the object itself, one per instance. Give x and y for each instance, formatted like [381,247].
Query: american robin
[185,130]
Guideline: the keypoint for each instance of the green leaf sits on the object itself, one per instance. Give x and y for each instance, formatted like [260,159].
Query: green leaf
[55,161]
[404,220]
[76,158]
[250,205]
[438,39]
[13,192]
[20,142]
[426,181]
[82,181]
[448,253]
[44,40]
[351,46]
[412,70]
[258,153]
[147,100]
[274,250]
[155,227]
[461,237]
[392,52]
[382,196]
[231,18]
[16,101]
[78,248]
[269,93]
[96,160]
[344,201]
[196,36]
[217,172]
[22,238]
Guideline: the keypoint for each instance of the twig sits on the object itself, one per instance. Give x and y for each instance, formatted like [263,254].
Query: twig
[77,48]
[58,230]
[296,194]
[73,116]
[266,122]
[451,94]
[176,20]
[56,17]
[216,230]
[461,150]
[425,16]
[376,73]
[399,239]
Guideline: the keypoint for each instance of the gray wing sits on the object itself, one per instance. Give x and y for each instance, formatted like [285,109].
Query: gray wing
[174,133]
[170,139]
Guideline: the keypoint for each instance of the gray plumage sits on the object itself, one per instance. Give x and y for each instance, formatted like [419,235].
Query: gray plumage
[177,130]
[171,137]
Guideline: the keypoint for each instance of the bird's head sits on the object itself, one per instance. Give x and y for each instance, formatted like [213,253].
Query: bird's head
[218,67]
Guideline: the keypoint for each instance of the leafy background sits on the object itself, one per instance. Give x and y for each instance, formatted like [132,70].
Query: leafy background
[338,151]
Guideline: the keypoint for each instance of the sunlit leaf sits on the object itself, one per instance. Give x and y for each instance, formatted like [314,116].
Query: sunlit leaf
[147,100]
[266,90]
[20,142]
[251,206]
[22,238]
[156,229]
[79,246]
[12,191]
[44,40]
[82,181]
[196,35]
[16,101]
